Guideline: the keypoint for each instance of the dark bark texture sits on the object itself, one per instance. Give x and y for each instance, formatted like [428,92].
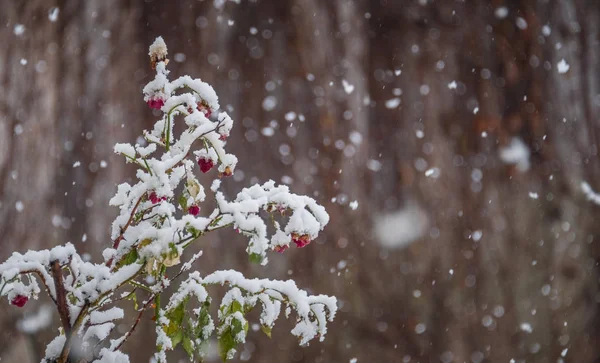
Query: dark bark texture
[496,275]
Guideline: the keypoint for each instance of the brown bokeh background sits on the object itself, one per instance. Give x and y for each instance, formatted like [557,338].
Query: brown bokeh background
[445,297]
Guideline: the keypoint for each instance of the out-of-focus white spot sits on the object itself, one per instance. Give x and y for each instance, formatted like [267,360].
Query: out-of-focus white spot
[373,165]
[501,12]
[19,29]
[563,67]
[348,88]
[53,14]
[526,327]
[269,103]
[401,228]
[521,23]
[516,152]
[267,131]
[392,103]
[420,328]
[546,30]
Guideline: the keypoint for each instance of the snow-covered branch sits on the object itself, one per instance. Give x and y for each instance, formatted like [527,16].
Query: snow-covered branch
[159,217]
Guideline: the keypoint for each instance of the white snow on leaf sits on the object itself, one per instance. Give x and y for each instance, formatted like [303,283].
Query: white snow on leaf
[562,67]
[401,228]
[348,88]
[108,356]
[452,85]
[54,348]
[392,103]
[501,12]
[516,153]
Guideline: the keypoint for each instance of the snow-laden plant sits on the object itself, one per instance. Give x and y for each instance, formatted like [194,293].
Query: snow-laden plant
[159,218]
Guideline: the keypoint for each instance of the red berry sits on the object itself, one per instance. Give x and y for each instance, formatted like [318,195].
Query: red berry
[280,249]
[156,103]
[194,210]
[154,198]
[300,240]
[205,164]
[204,109]
[223,138]
[20,300]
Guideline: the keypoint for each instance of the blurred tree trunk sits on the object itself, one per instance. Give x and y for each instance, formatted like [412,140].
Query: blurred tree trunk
[496,275]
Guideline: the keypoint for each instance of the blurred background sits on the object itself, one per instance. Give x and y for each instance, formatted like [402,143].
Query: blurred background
[447,139]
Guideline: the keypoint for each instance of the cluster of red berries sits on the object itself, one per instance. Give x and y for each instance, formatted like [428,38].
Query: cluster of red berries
[155,199]
[301,240]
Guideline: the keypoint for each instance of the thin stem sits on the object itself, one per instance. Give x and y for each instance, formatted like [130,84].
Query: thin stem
[141,286]
[135,324]
[124,228]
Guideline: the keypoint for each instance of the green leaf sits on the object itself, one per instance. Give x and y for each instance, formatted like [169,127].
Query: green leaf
[256,258]
[178,337]
[226,344]
[266,329]
[183,202]
[204,319]
[129,258]
[188,346]
[133,297]
[175,328]
[173,253]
